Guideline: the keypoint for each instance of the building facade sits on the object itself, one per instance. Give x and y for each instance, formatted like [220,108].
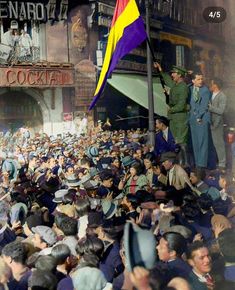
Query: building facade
[44,65]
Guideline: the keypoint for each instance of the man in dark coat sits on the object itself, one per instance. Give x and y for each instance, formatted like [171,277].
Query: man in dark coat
[111,264]
[170,249]
[226,242]
[200,261]
[164,141]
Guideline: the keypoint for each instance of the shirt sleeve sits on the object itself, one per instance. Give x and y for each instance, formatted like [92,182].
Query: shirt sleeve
[168,80]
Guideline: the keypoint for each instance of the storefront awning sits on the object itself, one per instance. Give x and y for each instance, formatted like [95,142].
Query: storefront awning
[135,87]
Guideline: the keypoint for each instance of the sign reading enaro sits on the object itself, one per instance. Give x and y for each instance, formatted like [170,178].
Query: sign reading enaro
[34,77]
[23,10]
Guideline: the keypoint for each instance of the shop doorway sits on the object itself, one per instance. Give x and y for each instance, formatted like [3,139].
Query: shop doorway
[18,109]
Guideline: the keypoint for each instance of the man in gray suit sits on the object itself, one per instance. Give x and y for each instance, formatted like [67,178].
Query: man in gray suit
[217,107]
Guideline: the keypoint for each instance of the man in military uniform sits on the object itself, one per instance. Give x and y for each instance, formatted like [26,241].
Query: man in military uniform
[178,108]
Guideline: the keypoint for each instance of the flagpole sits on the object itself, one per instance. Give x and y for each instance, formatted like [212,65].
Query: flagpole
[151,129]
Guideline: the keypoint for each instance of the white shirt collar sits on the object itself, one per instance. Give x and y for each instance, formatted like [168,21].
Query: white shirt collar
[201,278]
[199,183]
[171,172]
[165,133]
[172,169]
[214,95]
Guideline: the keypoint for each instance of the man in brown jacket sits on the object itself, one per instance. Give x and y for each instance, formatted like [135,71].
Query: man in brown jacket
[176,175]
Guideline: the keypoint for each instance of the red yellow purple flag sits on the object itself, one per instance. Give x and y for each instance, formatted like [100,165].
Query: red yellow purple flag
[126,33]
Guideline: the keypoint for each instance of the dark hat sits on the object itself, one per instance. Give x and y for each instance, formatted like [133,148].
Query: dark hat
[168,156]
[33,220]
[140,247]
[163,120]
[114,225]
[105,162]
[144,196]
[127,161]
[50,185]
[44,159]
[95,219]
[81,170]
[106,174]
[179,70]
[133,198]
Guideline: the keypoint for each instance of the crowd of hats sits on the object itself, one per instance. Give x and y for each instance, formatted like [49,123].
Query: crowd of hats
[53,199]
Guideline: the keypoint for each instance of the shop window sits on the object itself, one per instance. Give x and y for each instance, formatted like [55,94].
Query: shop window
[180,55]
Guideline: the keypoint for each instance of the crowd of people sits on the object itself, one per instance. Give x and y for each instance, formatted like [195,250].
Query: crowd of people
[106,211]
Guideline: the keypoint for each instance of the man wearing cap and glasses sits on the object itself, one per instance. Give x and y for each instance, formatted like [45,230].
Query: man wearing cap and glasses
[176,175]
[178,107]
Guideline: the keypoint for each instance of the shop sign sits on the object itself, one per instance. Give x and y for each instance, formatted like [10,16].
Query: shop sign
[176,39]
[33,11]
[34,77]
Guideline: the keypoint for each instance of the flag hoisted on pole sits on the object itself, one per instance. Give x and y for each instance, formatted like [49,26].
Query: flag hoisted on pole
[126,33]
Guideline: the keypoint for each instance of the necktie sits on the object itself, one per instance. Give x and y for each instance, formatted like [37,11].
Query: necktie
[196,95]
[209,282]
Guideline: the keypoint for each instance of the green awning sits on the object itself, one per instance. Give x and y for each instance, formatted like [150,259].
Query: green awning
[135,87]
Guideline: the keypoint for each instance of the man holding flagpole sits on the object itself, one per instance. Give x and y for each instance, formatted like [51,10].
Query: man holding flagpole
[178,108]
